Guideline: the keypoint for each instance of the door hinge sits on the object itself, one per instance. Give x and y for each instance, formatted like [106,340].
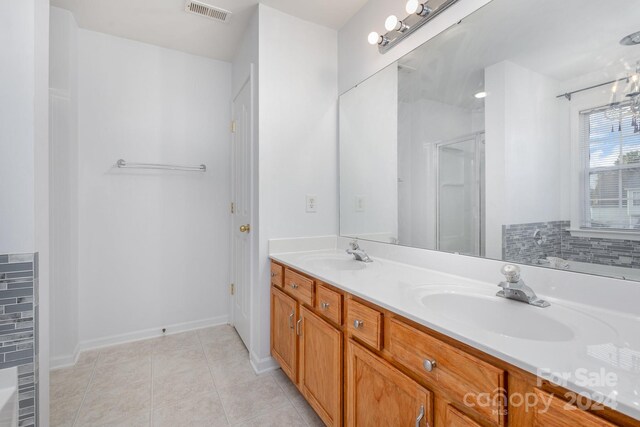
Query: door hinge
[233,289]
[233,208]
[233,126]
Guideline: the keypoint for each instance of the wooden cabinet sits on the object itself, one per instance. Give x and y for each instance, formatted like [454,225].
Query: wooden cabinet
[365,323]
[380,395]
[284,315]
[381,369]
[554,412]
[320,368]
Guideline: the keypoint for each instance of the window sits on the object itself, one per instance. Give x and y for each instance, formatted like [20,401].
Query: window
[610,147]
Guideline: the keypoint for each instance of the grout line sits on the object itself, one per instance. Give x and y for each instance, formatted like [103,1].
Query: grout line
[214,380]
[151,409]
[86,392]
[272,373]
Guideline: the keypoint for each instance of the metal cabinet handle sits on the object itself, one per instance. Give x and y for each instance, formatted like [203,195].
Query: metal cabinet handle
[420,416]
[324,305]
[298,327]
[273,274]
[291,319]
[429,365]
[358,323]
[294,285]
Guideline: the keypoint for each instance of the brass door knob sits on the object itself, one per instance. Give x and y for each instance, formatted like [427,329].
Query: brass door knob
[245,228]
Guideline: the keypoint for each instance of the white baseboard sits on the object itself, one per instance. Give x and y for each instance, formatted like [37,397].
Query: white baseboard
[70,360]
[260,366]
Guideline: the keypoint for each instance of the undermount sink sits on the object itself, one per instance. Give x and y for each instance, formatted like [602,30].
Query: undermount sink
[334,262]
[512,318]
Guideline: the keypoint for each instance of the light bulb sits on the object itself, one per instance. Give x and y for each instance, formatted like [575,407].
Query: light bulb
[391,23]
[481,95]
[374,38]
[412,6]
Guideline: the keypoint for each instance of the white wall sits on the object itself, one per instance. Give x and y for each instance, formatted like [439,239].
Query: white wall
[520,138]
[63,100]
[369,157]
[17,91]
[298,149]
[153,245]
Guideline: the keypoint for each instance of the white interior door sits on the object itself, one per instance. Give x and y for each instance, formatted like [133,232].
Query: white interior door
[241,199]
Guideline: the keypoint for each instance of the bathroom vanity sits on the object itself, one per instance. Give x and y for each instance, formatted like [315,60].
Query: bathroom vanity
[372,351]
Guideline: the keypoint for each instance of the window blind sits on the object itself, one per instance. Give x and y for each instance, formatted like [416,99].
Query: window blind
[610,150]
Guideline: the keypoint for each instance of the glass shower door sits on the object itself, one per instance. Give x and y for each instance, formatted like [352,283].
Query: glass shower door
[460,179]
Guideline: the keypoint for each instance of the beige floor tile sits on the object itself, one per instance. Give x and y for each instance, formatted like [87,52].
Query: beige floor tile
[119,375]
[69,382]
[176,361]
[125,352]
[243,401]
[285,383]
[205,411]
[103,407]
[87,359]
[219,334]
[182,341]
[282,417]
[225,350]
[306,412]
[232,371]
[175,388]
[63,410]
[140,420]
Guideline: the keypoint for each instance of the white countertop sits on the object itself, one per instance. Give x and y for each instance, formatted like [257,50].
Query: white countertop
[597,350]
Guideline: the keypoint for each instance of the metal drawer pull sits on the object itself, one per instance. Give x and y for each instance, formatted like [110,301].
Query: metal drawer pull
[358,323]
[291,319]
[324,305]
[298,328]
[429,365]
[420,416]
[294,285]
[273,274]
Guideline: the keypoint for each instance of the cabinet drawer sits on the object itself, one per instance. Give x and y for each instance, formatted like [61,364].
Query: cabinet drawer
[555,412]
[365,323]
[299,286]
[466,378]
[277,275]
[329,303]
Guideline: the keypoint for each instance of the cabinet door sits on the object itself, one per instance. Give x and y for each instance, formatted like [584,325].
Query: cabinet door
[554,412]
[321,367]
[380,395]
[283,332]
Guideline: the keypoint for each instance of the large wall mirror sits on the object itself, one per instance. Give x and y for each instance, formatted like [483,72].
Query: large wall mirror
[513,135]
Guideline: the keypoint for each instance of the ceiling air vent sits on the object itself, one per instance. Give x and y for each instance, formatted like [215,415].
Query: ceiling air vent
[207,11]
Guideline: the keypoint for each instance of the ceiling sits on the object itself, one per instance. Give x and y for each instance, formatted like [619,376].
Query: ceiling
[165,23]
[563,40]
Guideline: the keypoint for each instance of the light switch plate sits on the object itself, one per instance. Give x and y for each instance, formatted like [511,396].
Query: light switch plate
[312,203]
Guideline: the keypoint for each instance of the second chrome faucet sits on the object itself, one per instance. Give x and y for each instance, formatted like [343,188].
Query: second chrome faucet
[358,253]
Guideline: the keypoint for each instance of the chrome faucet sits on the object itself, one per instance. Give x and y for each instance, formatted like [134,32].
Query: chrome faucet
[516,289]
[358,253]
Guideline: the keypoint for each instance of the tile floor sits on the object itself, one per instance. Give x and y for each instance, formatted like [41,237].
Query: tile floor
[199,378]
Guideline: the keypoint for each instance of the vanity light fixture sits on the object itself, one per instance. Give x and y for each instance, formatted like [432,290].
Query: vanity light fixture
[392,23]
[398,29]
[481,95]
[375,38]
[414,6]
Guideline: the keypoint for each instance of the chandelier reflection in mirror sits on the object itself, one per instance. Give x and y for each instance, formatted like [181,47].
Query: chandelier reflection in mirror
[629,104]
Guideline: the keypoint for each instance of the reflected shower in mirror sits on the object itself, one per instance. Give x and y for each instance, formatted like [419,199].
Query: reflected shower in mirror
[513,135]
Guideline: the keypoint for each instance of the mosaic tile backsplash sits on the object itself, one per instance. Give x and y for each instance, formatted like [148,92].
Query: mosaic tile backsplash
[18,314]
[518,245]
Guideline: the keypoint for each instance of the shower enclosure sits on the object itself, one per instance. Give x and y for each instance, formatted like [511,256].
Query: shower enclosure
[460,194]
